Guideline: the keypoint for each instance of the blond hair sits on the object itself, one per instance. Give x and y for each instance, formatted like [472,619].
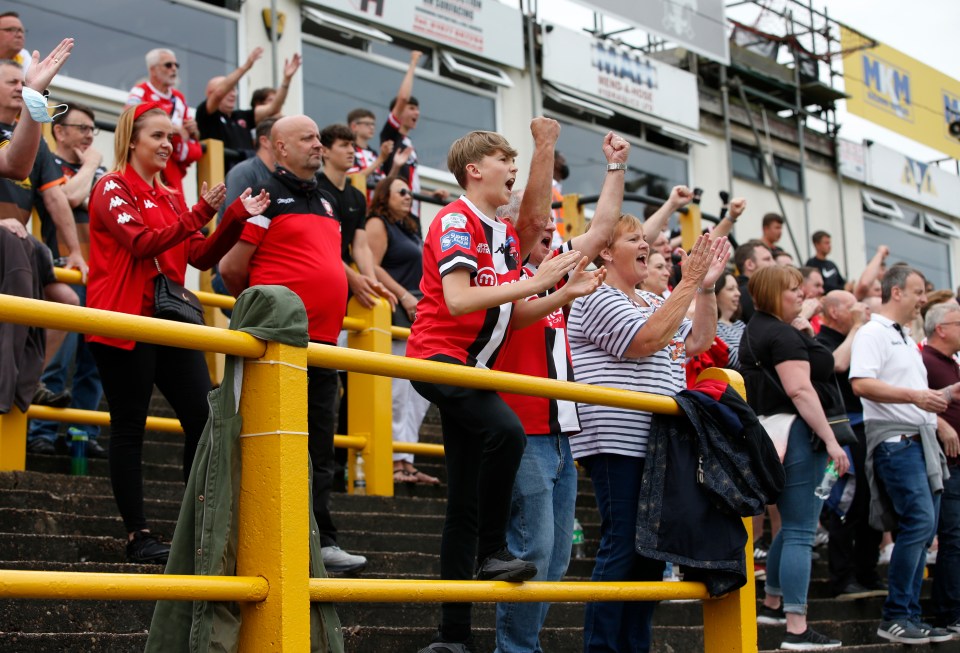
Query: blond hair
[472,148]
[626,222]
[767,284]
[126,133]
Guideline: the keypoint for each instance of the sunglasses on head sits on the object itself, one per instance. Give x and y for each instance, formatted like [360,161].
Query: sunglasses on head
[171,64]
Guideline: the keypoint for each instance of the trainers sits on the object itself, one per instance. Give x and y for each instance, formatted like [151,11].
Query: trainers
[854,591]
[339,561]
[147,548]
[445,647]
[503,565]
[902,631]
[42,446]
[935,635]
[759,554]
[771,616]
[44,396]
[954,626]
[808,640]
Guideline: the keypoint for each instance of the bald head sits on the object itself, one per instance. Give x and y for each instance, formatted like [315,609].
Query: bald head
[296,145]
[838,310]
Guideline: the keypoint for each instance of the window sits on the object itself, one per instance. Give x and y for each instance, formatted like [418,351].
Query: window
[650,172]
[929,254]
[747,162]
[447,111]
[114,35]
[788,175]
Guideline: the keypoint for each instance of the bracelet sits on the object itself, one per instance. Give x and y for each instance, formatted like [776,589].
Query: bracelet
[616,166]
[712,290]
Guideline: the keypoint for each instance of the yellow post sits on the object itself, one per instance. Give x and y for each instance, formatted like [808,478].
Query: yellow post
[369,399]
[359,182]
[690,227]
[730,623]
[211,169]
[274,500]
[13,440]
[573,220]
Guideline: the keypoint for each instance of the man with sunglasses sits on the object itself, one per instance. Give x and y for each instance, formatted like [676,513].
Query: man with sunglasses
[81,165]
[164,73]
[12,39]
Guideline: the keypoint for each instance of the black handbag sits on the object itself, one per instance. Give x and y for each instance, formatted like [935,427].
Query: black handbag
[171,301]
[836,415]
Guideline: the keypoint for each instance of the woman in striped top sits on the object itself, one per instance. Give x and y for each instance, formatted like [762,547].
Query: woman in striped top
[623,338]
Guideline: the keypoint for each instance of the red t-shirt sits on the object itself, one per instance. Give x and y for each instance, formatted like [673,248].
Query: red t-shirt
[542,350]
[461,237]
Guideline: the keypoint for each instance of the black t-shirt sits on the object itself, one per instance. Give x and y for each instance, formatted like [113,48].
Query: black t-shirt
[746,301]
[831,340]
[772,342]
[352,209]
[832,279]
[234,130]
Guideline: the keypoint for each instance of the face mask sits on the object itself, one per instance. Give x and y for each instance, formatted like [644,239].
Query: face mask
[564,171]
[36,104]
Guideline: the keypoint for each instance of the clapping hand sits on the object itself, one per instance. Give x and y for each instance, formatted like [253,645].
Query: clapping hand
[213,196]
[254,204]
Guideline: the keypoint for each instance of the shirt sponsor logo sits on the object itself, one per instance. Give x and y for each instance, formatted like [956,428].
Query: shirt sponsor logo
[487,277]
[829,273]
[285,200]
[327,207]
[110,185]
[483,248]
[453,239]
[116,201]
[453,221]
[147,204]
[124,218]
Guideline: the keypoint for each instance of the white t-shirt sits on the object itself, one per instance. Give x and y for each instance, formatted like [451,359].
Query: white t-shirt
[601,328]
[881,352]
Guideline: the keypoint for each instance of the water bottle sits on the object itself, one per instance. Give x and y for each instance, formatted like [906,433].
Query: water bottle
[78,447]
[830,478]
[360,480]
[579,550]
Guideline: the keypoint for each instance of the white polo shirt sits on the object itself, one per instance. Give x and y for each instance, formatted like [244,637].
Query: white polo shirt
[881,352]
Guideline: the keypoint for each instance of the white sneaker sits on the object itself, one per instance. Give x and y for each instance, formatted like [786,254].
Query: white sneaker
[885,554]
[337,560]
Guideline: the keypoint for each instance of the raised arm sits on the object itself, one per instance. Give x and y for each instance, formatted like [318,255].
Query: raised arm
[535,205]
[217,93]
[680,196]
[871,273]
[290,68]
[616,150]
[406,85]
[737,206]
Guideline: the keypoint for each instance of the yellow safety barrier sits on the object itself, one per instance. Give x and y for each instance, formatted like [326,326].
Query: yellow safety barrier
[273,515]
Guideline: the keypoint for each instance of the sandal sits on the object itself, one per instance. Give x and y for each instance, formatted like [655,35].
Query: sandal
[422,478]
[403,476]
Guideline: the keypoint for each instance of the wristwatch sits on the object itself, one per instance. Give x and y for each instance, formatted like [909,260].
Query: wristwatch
[616,166]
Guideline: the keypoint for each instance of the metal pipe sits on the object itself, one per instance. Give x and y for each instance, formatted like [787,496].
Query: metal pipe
[725,99]
[273,44]
[536,102]
[801,144]
[100,418]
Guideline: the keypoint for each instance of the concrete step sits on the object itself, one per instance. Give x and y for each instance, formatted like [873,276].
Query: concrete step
[87,642]
[94,485]
[171,472]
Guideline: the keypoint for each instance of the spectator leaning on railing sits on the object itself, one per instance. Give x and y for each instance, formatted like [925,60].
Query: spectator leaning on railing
[140,228]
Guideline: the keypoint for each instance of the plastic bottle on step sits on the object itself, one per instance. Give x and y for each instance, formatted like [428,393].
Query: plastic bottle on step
[579,549]
[360,480]
[78,451]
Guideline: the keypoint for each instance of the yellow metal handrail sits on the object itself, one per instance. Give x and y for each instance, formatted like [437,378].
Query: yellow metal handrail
[274,500]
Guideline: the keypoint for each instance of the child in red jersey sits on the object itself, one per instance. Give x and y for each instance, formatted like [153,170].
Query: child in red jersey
[471,279]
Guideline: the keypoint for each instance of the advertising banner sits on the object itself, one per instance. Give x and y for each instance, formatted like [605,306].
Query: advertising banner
[923,183]
[620,75]
[484,28]
[900,93]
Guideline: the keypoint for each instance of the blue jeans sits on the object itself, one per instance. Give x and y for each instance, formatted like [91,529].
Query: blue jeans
[86,389]
[900,467]
[946,581]
[619,626]
[788,561]
[544,493]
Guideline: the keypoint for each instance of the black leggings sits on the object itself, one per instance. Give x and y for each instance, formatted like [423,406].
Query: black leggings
[128,378]
[483,443]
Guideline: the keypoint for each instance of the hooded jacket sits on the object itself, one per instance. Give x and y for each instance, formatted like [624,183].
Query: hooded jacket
[205,541]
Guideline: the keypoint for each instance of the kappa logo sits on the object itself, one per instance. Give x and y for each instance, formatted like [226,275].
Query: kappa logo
[453,239]
[147,204]
[124,218]
[109,186]
[116,201]
[285,200]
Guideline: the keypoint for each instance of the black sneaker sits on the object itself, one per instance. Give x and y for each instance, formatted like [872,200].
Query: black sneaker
[854,591]
[902,631]
[771,616]
[95,450]
[147,548]
[43,396]
[936,635]
[42,446]
[809,640]
[503,565]
[445,647]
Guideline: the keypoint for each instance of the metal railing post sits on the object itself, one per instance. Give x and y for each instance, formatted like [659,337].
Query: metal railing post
[730,623]
[574,221]
[370,400]
[690,226]
[211,169]
[274,524]
[13,440]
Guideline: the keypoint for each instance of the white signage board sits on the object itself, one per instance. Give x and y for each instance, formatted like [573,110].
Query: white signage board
[853,159]
[697,25]
[484,28]
[621,75]
[920,182]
